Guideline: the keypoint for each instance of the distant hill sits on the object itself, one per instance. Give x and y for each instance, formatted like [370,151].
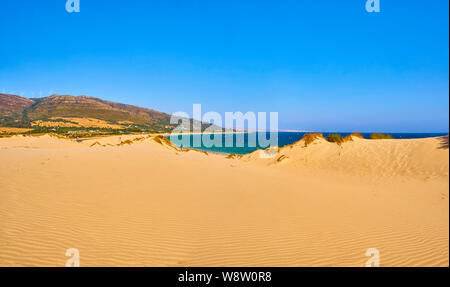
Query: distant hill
[45,113]
[83,106]
[12,106]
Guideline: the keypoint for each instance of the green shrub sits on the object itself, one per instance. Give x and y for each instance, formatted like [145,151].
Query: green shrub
[335,138]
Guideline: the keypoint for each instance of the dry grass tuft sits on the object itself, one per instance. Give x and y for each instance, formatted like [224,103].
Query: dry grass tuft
[358,135]
[96,143]
[162,140]
[128,142]
[378,136]
[350,137]
[311,137]
[335,138]
[231,156]
[281,158]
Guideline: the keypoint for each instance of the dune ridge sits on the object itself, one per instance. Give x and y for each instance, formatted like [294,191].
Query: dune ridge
[136,200]
[424,158]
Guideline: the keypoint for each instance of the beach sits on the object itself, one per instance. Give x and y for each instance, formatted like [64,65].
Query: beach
[139,201]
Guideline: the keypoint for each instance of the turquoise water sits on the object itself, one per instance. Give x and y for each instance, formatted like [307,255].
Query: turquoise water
[240,142]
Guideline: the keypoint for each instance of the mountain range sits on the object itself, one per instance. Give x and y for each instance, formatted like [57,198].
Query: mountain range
[17,111]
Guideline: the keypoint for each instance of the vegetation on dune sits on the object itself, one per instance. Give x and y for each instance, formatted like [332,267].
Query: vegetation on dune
[162,140]
[128,142]
[357,135]
[311,137]
[122,143]
[335,138]
[351,136]
[281,158]
[231,156]
[379,136]
[96,143]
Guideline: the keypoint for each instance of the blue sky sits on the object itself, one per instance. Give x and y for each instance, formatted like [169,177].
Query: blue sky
[323,65]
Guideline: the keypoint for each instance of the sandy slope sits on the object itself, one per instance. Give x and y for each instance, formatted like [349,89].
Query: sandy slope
[128,202]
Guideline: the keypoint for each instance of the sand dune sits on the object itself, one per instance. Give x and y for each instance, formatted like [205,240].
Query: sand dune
[137,201]
[424,158]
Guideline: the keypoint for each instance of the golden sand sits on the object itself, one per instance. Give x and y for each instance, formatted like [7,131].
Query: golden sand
[127,202]
[5,130]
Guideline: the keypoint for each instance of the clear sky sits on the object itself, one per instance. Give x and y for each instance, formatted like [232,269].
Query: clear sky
[324,65]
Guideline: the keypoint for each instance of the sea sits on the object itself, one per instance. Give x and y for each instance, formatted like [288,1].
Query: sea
[240,141]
